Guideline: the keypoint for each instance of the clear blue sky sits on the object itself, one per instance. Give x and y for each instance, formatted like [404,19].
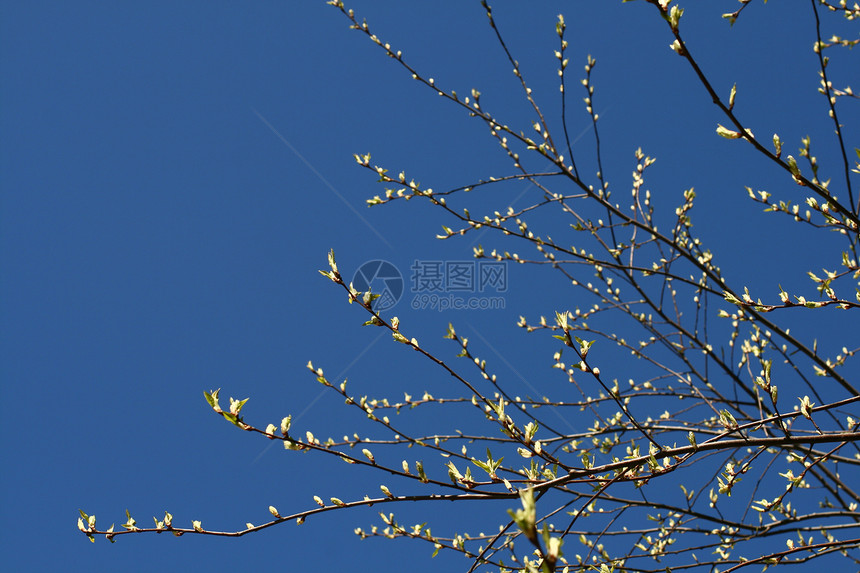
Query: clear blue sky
[173,175]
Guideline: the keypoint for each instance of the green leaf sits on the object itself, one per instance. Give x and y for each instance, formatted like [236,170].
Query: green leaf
[400,338]
[728,420]
[212,398]
[130,522]
[419,467]
[767,366]
[483,465]
[526,517]
[553,548]
[792,166]
[453,473]
[331,262]
[369,297]
[675,16]
[731,298]
[806,407]
[584,346]
[530,430]
[236,405]
[727,133]
[490,466]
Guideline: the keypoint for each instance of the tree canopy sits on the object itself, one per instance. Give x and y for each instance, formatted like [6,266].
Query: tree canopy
[713,430]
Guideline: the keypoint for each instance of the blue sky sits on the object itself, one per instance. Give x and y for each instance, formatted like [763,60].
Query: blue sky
[174,175]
